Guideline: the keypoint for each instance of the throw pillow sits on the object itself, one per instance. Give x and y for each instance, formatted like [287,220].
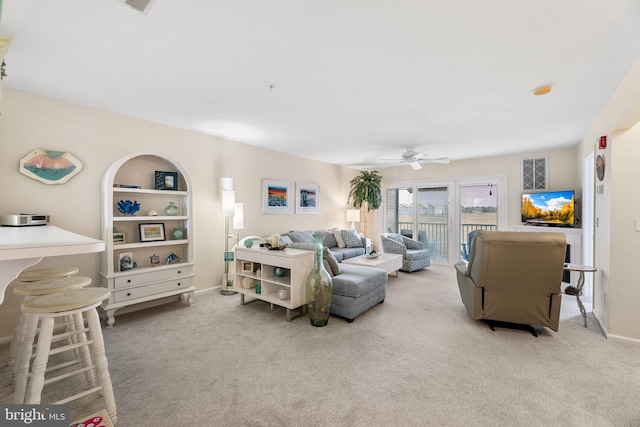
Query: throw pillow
[329,238]
[285,241]
[331,260]
[327,256]
[338,235]
[351,238]
[398,238]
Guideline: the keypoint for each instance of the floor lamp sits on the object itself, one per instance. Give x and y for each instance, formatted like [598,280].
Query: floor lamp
[228,207]
[238,220]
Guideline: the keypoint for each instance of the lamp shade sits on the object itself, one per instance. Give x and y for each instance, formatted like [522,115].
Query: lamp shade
[226,183]
[238,216]
[228,203]
[353,215]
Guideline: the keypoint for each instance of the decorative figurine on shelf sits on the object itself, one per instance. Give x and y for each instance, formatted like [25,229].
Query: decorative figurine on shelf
[155,260]
[171,258]
[127,207]
[127,262]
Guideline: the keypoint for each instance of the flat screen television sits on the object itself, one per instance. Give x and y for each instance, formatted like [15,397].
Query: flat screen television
[549,208]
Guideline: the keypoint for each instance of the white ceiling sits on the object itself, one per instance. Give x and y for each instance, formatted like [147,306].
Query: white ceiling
[341,81]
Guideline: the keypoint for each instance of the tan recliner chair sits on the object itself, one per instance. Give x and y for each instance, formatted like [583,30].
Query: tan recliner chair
[514,277]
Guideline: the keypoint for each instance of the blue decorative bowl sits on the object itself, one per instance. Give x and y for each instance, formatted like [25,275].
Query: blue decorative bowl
[127,207]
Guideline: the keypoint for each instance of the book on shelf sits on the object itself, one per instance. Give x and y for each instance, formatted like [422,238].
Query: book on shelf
[126,186]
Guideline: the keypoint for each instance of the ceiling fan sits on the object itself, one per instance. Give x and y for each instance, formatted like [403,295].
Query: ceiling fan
[414,159]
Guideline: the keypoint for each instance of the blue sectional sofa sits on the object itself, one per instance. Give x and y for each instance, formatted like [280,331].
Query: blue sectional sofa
[355,288]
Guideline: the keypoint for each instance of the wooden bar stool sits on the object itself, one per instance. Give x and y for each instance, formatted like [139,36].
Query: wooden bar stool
[47,308]
[30,289]
[47,273]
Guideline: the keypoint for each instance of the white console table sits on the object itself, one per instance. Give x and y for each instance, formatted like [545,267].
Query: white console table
[23,247]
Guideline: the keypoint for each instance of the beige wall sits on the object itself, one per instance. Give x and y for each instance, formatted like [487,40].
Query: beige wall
[616,291]
[98,138]
[561,174]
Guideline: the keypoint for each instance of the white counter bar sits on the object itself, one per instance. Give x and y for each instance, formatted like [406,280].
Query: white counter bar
[23,247]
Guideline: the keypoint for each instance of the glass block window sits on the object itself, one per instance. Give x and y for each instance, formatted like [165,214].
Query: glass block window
[534,174]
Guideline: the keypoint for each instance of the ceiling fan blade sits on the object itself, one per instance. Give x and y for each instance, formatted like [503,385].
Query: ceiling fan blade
[442,160]
[415,165]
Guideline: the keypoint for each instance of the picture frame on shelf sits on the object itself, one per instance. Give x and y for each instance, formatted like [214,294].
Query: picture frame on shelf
[155,260]
[247,267]
[166,180]
[151,232]
[307,198]
[277,197]
[119,238]
[178,233]
[126,261]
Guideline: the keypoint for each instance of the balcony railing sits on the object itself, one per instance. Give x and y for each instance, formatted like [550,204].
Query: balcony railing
[438,235]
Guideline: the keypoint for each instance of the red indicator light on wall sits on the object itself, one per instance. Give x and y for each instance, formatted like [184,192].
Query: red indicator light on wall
[603,142]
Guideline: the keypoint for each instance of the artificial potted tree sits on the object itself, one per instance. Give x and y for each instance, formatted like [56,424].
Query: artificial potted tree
[366,193]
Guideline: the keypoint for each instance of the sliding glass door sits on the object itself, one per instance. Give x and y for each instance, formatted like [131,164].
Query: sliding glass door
[478,210]
[442,214]
[421,213]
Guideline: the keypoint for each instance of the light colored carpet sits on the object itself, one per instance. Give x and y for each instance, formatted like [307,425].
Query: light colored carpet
[415,360]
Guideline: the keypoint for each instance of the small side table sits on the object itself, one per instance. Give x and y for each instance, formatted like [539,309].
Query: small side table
[580,269]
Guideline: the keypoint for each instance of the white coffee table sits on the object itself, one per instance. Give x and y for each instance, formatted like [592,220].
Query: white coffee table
[387,262]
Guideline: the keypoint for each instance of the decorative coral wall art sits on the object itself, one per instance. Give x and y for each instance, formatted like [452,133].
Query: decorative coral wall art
[50,167]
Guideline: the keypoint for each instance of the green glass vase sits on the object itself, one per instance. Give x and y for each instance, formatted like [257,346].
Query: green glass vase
[171,210]
[319,287]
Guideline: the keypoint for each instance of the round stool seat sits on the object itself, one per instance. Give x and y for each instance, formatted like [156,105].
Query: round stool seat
[45,273]
[43,287]
[65,300]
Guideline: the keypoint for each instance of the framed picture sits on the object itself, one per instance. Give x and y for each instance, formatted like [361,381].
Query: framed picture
[307,201]
[119,238]
[166,180]
[155,260]
[178,233]
[277,197]
[151,232]
[126,261]
[247,267]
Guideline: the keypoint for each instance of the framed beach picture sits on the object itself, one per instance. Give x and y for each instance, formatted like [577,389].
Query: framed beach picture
[119,238]
[277,197]
[307,201]
[151,232]
[166,180]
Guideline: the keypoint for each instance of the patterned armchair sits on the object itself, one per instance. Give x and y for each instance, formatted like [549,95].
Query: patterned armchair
[414,255]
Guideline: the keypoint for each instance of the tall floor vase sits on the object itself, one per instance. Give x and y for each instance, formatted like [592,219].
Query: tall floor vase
[319,287]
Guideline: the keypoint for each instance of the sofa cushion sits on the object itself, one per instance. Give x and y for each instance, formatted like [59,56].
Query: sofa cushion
[356,280]
[346,253]
[337,255]
[327,256]
[398,238]
[351,238]
[329,238]
[338,236]
[285,240]
[300,236]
